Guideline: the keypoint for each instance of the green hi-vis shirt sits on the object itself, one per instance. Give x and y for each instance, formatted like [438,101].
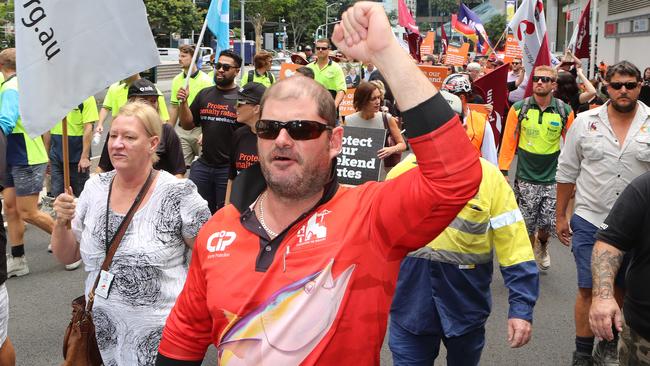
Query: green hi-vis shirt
[539,141]
[198,82]
[77,118]
[84,114]
[21,149]
[117,96]
[267,79]
[331,76]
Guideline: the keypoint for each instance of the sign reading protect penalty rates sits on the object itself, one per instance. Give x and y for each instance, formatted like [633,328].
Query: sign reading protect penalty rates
[358,162]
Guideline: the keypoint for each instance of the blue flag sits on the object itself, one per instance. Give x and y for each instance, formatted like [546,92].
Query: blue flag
[469,24]
[218,19]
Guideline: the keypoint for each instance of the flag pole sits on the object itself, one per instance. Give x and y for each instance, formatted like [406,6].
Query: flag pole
[592,51]
[494,49]
[196,52]
[66,160]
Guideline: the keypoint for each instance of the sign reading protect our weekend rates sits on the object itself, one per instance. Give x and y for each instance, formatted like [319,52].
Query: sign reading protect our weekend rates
[346,107]
[358,162]
[435,74]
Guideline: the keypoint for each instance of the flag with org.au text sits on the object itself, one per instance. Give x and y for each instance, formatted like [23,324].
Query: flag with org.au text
[68,50]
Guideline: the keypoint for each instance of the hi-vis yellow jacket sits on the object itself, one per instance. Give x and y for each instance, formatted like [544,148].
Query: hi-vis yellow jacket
[462,256]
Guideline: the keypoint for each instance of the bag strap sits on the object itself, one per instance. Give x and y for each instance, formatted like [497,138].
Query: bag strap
[117,238]
[384,117]
[523,114]
[251,76]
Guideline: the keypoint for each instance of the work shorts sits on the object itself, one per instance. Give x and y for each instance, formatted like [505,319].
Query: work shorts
[27,179]
[537,205]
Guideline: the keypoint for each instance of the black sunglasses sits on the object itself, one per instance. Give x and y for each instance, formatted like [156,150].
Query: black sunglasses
[225,67]
[322,48]
[516,63]
[298,130]
[629,85]
[544,79]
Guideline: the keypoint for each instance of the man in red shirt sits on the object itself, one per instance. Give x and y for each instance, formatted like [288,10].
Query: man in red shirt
[300,270]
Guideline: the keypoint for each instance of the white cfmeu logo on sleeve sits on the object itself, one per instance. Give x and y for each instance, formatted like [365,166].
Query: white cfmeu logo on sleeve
[225,238]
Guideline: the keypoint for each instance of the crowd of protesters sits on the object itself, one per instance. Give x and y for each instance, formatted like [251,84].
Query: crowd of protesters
[290,267]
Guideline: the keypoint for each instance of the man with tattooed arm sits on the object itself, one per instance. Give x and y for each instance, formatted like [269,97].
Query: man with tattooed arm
[626,229]
[605,149]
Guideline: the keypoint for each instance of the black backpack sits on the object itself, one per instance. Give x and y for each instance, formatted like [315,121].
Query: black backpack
[251,76]
[523,112]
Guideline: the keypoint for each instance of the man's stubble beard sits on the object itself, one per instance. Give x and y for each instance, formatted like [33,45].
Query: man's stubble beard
[225,82]
[313,180]
[624,109]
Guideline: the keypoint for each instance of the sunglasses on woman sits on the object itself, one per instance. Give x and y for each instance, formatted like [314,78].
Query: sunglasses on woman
[298,130]
[629,85]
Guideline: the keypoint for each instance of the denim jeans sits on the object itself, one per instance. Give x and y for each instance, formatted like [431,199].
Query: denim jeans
[77,180]
[211,183]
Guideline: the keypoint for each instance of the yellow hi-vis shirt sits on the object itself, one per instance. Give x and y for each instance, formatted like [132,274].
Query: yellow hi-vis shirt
[118,94]
[198,81]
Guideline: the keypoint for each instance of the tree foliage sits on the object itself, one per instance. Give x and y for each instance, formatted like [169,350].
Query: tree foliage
[303,17]
[259,12]
[443,7]
[7,39]
[494,29]
[174,16]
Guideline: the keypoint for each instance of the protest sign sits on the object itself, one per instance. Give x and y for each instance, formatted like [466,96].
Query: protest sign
[287,70]
[358,162]
[457,56]
[512,49]
[435,74]
[346,107]
[426,47]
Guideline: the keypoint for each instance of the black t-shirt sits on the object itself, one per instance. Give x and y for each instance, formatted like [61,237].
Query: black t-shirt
[169,152]
[217,116]
[644,96]
[627,227]
[574,102]
[244,151]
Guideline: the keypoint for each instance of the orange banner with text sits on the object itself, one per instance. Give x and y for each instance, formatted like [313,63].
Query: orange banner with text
[457,56]
[287,70]
[435,74]
[426,47]
[346,107]
[512,49]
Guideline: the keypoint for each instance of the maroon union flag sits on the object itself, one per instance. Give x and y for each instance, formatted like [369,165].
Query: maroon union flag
[492,87]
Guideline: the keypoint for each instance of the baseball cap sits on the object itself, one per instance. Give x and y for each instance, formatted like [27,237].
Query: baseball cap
[142,88]
[308,48]
[454,101]
[251,93]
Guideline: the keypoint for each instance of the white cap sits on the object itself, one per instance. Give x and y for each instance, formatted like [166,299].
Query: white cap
[454,101]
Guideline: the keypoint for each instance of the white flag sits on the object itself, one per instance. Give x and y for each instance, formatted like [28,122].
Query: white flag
[529,28]
[68,50]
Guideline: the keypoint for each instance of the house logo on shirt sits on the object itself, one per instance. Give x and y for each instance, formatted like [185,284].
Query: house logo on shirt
[219,241]
[314,230]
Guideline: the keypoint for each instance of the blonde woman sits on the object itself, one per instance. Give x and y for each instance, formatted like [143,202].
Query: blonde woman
[149,267]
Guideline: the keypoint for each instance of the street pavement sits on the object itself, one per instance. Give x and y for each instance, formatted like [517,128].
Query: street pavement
[40,307]
[40,311]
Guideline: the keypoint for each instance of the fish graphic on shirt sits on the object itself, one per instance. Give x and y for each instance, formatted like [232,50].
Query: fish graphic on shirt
[289,325]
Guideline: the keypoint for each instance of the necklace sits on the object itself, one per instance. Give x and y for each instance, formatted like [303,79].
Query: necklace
[266,228]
